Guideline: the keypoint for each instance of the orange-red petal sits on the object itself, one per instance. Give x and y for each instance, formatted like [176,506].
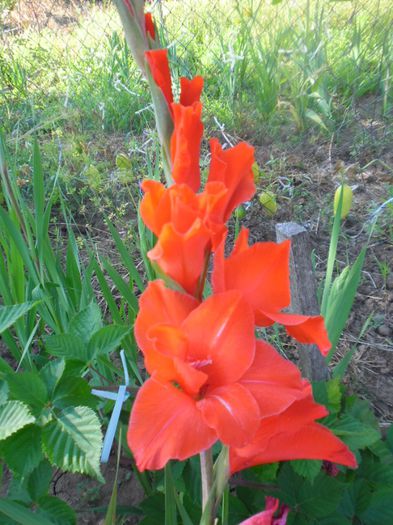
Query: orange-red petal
[165,424]
[266,287]
[233,167]
[167,358]
[178,204]
[190,90]
[186,144]
[265,284]
[221,337]
[149,26]
[160,305]
[233,412]
[159,67]
[241,243]
[274,381]
[154,207]
[304,328]
[293,434]
[182,256]
[313,441]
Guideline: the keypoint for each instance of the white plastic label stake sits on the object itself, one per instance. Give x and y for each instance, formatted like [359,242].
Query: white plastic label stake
[119,398]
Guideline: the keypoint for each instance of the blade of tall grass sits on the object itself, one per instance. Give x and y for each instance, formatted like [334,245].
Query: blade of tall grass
[123,287]
[110,516]
[341,368]
[170,501]
[341,298]
[125,256]
[332,254]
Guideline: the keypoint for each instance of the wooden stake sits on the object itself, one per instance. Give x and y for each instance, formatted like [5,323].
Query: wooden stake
[303,294]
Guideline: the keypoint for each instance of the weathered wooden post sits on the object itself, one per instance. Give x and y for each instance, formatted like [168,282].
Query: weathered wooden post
[303,294]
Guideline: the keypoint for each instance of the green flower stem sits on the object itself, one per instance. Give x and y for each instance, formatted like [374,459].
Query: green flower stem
[206,458]
[220,481]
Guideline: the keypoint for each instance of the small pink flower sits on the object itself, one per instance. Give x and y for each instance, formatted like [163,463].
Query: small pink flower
[266,517]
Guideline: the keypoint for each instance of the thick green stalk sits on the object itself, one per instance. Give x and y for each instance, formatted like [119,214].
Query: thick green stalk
[131,15]
[206,458]
[220,482]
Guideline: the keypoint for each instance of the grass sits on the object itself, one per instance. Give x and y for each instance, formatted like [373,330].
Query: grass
[295,66]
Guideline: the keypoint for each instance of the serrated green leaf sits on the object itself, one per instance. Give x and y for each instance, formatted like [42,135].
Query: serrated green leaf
[376,471]
[380,509]
[68,346]
[355,498]
[334,520]
[361,410]
[23,451]
[106,340]
[308,469]
[264,473]
[39,480]
[328,393]
[3,392]
[355,433]
[51,374]
[382,451]
[320,498]
[29,388]
[14,415]
[56,510]
[86,322]
[21,514]
[10,314]
[73,441]
[73,391]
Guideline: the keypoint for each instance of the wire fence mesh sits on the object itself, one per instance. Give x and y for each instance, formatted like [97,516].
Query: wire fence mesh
[310,62]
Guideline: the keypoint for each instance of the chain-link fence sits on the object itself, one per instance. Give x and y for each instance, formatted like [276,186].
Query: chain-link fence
[308,62]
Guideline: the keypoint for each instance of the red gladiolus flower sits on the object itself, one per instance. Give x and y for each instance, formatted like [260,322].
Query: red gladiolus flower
[232,167]
[190,90]
[194,396]
[159,67]
[229,184]
[186,143]
[186,226]
[149,26]
[206,367]
[182,256]
[265,285]
[267,516]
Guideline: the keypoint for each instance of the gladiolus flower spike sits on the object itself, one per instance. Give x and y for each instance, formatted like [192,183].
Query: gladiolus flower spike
[205,364]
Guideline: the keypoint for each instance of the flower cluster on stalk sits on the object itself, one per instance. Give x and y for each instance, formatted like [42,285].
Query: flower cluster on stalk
[210,377]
